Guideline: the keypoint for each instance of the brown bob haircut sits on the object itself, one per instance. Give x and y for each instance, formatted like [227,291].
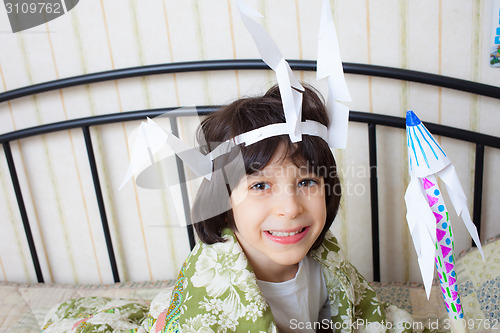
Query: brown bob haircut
[247,114]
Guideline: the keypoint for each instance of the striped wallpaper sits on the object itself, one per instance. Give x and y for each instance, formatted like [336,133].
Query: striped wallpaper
[446,37]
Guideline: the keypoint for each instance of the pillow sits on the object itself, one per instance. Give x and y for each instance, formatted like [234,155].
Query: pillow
[410,296]
[479,285]
[16,316]
[24,306]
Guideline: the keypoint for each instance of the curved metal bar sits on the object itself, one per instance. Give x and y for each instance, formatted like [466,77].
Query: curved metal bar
[252,64]
[97,120]
[425,78]
[436,129]
[356,116]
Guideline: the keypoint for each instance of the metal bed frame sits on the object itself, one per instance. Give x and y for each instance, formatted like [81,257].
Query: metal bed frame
[372,120]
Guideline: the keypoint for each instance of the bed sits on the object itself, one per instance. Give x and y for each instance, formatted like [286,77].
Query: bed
[25,306]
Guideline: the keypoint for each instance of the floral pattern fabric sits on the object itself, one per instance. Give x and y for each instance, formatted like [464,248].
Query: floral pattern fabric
[97,314]
[217,291]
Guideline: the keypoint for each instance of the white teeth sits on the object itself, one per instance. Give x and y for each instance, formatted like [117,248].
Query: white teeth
[283,234]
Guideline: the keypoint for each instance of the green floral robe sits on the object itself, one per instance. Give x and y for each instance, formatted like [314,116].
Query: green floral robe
[217,291]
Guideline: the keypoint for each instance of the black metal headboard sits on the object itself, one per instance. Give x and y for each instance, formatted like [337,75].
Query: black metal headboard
[372,120]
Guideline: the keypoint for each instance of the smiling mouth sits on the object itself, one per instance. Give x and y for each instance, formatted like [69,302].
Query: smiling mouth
[287,237]
[285,234]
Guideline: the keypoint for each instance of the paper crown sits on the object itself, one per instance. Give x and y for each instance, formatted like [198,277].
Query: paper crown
[151,137]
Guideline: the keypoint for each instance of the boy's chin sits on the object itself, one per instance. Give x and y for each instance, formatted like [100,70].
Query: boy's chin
[288,259]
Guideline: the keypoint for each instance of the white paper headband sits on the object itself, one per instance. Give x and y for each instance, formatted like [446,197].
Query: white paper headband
[151,138]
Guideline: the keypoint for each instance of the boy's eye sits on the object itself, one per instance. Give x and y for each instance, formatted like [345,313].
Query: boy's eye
[260,186]
[308,182]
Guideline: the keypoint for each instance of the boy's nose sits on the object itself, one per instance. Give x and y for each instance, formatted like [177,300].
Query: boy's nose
[288,204]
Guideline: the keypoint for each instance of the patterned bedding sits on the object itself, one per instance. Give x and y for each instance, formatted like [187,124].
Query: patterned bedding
[24,307]
[27,308]
[122,307]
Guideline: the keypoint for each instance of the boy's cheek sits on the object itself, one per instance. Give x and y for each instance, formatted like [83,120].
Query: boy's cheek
[317,191]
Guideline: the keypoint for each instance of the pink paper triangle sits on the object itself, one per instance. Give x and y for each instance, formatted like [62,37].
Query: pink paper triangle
[445,250]
[432,200]
[454,295]
[440,234]
[427,184]
[459,308]
[451,281]
[438,217]
[448,266]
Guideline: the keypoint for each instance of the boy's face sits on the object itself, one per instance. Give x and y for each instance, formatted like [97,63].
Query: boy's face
[279,213]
